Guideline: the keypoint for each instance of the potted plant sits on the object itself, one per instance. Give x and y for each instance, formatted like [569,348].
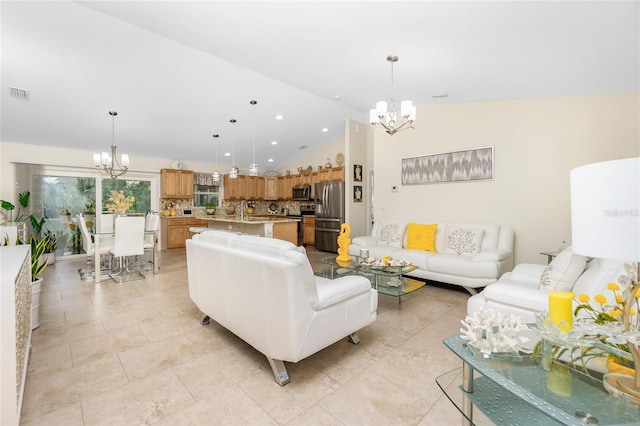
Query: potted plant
[51,245]
[211,208]
[38,265]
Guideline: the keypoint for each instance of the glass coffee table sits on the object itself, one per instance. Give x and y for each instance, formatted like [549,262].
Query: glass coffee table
[520,391]
[387,280]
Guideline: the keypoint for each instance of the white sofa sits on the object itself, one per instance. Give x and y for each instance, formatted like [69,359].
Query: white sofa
[490,256]
[264,291]
[519,293]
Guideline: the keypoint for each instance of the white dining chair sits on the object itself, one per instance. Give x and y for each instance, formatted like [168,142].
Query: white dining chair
[128,241]
[89,248]
[152,223]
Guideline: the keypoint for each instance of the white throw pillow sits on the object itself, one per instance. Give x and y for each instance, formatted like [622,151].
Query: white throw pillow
[464,240]
[392,234]
[563,271]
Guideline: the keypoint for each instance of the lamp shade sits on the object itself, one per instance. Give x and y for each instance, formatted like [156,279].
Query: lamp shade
[605,206]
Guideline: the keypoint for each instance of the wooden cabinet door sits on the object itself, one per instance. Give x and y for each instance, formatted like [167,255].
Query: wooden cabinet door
[313,180]
[270,188]
[282,187]
[169,183]
[251,188]
[337,174]
[309,230]
[186,184]
[260,188]
[177,236]
[324,175]
[230,188]
[288,189]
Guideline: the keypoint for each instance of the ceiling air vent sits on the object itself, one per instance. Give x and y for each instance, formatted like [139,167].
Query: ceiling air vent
[17,93]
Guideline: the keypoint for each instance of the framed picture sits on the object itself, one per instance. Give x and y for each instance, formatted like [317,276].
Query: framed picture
[357,193]
[458,166]
[357,173]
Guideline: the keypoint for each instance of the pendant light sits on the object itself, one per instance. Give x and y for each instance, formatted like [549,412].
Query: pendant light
[387,118]
[215,176]
[253,167]
[233,172]
[108,161]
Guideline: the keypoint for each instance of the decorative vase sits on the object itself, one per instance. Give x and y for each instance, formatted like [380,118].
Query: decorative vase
[173,212]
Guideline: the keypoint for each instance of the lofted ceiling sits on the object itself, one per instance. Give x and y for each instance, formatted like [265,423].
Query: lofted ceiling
[177,71]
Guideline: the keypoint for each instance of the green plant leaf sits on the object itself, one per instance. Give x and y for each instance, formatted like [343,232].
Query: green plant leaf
[7,205]
[23,198]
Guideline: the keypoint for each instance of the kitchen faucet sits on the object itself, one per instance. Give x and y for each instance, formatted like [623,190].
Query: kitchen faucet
[243,206]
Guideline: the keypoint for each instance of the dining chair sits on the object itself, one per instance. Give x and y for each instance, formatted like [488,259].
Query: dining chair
[128,241]
[89,247]
[152,223]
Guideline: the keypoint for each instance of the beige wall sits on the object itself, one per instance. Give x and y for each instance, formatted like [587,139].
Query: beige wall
[537,142]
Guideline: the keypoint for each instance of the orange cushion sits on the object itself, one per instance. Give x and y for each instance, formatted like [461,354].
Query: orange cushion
[422,237]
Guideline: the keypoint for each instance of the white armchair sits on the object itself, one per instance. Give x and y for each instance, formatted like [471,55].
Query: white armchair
[264,291]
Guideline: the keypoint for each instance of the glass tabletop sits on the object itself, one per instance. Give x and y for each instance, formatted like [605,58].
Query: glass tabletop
[561,395]
[356,265]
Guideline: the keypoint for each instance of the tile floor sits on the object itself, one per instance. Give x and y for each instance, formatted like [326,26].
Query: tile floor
[135,353]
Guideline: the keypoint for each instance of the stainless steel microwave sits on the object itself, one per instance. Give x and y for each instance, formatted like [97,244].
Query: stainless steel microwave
[302,192]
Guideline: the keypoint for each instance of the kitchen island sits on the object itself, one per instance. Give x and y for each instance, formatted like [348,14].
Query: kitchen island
[281,227]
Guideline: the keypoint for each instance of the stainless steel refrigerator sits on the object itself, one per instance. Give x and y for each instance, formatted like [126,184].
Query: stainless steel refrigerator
[329,214]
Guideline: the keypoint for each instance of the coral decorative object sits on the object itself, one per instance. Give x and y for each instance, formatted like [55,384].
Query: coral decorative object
[343,243]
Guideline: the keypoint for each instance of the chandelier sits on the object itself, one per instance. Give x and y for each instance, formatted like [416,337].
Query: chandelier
[387,117]
[253,167]
[233,171]
[109,161]
[216,176]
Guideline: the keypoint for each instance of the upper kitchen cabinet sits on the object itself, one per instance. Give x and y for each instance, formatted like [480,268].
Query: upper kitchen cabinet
[235,188]
[331,174]
[176,183]
[270,188]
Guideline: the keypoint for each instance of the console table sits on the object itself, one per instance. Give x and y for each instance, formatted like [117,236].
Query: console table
[521,392]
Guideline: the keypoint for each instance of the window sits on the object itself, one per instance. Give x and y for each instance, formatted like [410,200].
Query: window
[139,189]
[204,191]
[58,194]
[203,195]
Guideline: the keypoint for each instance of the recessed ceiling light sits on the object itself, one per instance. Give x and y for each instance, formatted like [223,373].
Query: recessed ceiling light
[227,154]
[440,95]
[337,97]
[279,117]
[325,130]
[302,147]
[270,160]
[274,142]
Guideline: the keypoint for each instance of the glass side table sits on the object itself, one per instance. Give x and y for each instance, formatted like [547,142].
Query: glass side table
[520,391]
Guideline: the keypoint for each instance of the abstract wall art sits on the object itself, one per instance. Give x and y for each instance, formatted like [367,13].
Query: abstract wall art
[458,166]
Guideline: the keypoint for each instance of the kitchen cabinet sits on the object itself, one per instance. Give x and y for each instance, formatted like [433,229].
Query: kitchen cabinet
[313,179]
[235,189]
[175,231]
[254,189]
[332,174]
[176,183]
[282,186]
[270,188]
[309,230]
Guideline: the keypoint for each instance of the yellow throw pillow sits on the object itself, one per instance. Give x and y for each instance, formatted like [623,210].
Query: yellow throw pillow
[422,237]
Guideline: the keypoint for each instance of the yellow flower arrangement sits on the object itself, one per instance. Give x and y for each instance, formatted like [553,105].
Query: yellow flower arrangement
[607,312]
[119,202]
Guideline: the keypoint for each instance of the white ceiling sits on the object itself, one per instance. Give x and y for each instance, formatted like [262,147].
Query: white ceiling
[177,71]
